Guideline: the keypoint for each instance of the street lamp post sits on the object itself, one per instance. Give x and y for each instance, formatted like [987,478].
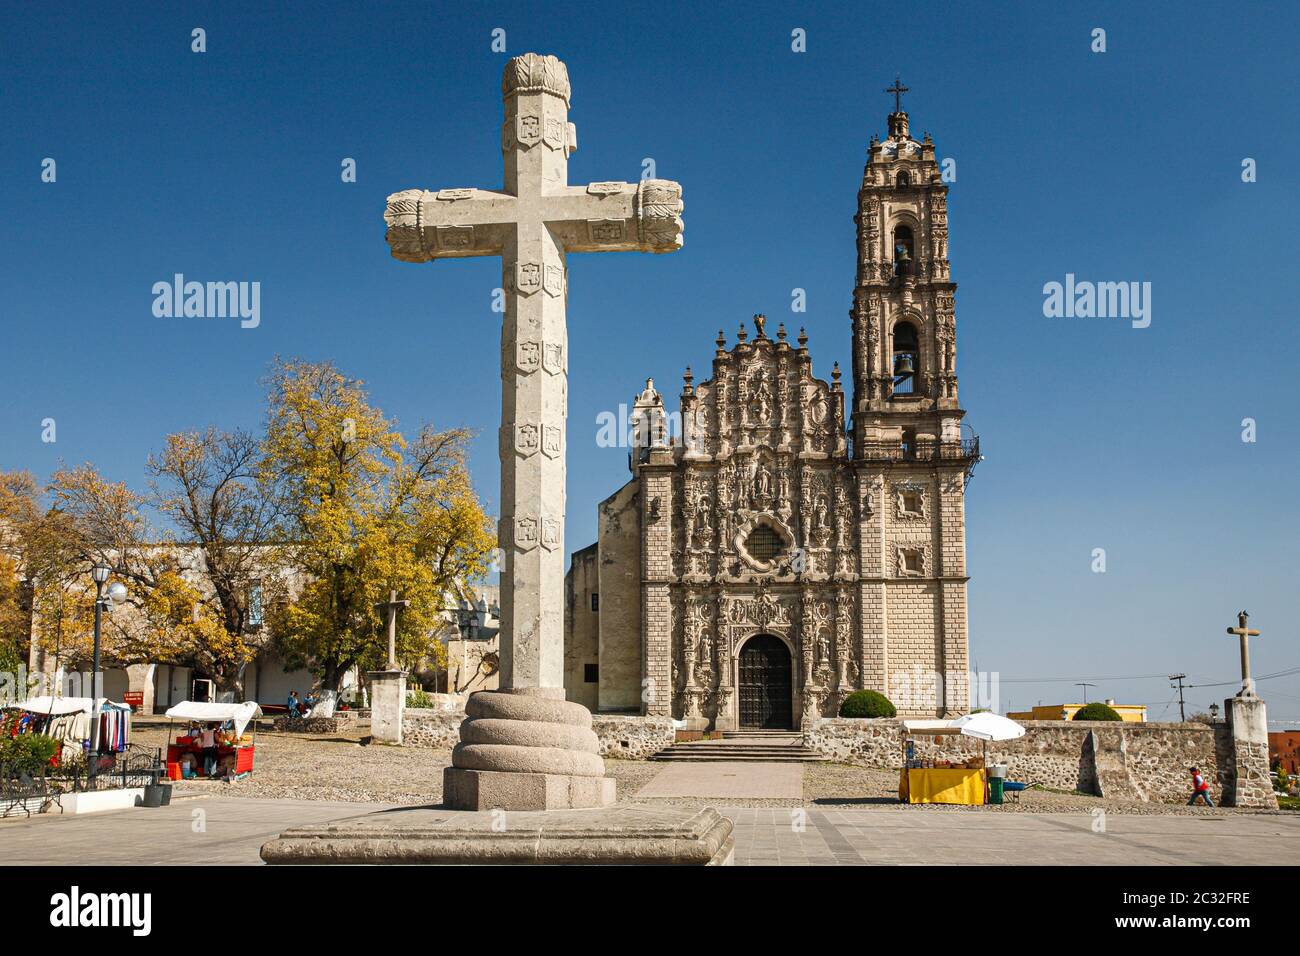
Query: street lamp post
[116,595]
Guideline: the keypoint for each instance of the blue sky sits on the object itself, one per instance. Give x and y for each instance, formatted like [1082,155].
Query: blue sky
[1115,166]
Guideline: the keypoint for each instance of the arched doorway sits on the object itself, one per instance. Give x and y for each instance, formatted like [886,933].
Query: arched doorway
[765,684]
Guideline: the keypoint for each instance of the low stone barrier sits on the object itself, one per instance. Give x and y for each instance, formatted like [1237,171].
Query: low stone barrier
[428,727]
[631,736]
[314,725]
[626,736]
[1136,761]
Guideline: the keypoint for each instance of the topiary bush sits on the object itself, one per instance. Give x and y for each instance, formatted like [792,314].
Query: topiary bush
[1096,711]
[867,703]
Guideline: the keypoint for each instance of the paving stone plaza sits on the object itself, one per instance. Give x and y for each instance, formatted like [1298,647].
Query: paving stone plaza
[234,830]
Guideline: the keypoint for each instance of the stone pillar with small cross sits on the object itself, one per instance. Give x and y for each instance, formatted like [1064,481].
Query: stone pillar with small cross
[388,686]
[525,747]
[1244,768]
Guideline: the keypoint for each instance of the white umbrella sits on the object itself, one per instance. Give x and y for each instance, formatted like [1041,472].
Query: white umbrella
[988,726]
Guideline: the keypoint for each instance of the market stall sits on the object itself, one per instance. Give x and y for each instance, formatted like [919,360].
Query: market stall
[234,748]
[925,780]
[76,721]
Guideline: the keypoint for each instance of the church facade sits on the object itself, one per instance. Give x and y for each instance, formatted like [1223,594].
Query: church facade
[793,544]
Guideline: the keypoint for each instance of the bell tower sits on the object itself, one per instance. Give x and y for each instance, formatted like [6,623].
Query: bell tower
[912,461]
[904,355]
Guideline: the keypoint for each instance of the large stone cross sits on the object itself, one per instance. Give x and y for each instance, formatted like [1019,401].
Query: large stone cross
[532,223]
[1244,631]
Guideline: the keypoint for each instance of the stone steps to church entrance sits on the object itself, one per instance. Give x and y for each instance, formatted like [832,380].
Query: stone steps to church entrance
[744,751]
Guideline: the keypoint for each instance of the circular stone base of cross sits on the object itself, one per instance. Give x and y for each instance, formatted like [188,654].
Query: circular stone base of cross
[526,750]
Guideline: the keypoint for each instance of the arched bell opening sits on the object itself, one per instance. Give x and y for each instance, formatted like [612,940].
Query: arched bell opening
[906,358]
[904,251]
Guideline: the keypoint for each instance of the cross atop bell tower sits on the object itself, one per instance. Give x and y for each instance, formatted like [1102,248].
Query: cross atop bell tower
[898,89]
[898,119]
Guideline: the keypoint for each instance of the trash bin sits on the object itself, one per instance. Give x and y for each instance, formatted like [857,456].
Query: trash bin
[153,795]
[995,790]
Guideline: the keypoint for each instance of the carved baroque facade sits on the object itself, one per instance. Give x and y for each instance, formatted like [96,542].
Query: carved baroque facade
[776,515]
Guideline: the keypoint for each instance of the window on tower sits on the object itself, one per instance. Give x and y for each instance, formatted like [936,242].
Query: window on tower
[907,358]
[904,252]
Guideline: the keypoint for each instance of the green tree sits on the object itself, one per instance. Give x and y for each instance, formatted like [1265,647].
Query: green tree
[1096,711]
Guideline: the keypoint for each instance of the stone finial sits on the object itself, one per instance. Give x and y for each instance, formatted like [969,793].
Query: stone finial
[742,334]
[659,215]
[535,73]
[688,378]
[803,338]
[780,332]
[835,375]
[898,126]
[721,341]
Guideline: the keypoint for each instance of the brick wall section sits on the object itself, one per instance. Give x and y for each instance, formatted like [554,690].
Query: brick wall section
[1146,762]
[657,570]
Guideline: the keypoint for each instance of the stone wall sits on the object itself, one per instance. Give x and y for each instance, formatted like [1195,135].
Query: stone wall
[626,736]
[581,628]
[437,729]
[341,721]
[632,737]
[619,584]
[1146,762]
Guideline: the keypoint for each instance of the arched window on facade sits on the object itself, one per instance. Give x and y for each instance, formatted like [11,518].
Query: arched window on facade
[904,178]
[904,251]
[907,357]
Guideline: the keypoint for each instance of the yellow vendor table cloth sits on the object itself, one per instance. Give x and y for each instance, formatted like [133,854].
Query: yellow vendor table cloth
[942,785]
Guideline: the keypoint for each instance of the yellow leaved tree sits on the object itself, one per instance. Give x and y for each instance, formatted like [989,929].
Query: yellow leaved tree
[365,512]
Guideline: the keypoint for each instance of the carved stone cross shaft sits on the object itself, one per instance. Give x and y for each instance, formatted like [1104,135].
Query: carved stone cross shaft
[392,606]
[1244,631]
[532,223]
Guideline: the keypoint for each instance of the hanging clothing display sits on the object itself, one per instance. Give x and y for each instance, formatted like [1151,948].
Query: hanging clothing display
[69,720]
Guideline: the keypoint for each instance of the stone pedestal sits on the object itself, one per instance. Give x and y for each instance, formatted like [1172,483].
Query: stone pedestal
[387,705]
[489,789]
[1247,782]
[617,835]
[526,749]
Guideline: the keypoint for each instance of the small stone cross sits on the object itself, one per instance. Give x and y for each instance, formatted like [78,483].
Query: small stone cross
[1245,632]
[392,606]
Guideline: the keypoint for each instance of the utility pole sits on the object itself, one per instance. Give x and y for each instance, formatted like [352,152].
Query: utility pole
[1085,685]
[1182,713]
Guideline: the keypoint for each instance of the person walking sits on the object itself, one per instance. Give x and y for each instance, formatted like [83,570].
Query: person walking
[1200,788]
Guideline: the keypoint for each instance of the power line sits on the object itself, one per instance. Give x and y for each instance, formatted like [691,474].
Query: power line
[1074,680]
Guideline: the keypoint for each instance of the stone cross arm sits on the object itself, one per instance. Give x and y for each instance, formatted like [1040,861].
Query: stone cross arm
[602,217]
